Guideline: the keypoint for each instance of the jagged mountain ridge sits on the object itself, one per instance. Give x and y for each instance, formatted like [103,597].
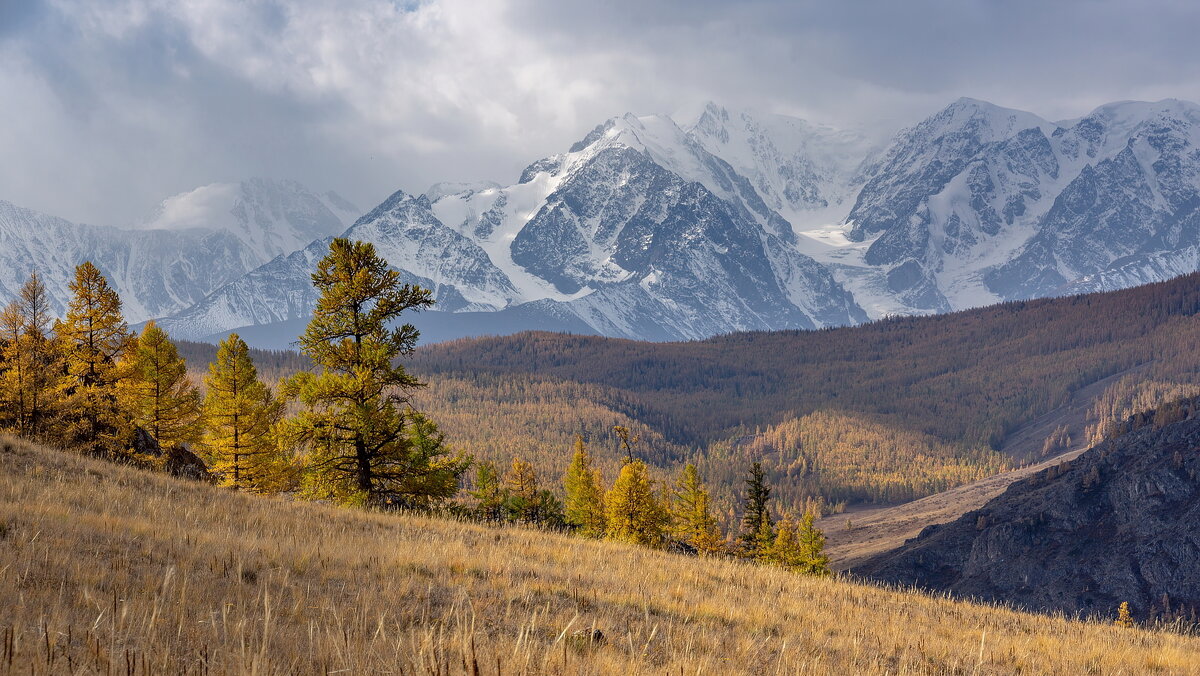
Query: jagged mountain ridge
[650,229]
[636,231]
[196,243]
[980,204]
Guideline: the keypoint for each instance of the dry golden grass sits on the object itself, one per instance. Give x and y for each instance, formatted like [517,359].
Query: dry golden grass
[105,569]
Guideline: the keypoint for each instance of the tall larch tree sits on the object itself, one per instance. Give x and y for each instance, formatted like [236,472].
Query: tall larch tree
[156,391]
[812,546]
[32,380]
[367,445]
[14,372]
[692,520]
[584,493]
[522,485]
[757,527]
[94,336]
[633,511]
[241,420]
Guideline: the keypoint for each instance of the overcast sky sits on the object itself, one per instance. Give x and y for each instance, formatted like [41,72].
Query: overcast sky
[107,107]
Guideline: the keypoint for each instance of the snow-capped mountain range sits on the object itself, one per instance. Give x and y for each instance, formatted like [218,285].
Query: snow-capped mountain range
[196,243]
[652,229]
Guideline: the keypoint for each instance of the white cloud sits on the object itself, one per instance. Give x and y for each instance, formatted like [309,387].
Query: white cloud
[110,106]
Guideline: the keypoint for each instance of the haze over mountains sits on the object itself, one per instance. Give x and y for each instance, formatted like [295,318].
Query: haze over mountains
[655,229]
[195,243]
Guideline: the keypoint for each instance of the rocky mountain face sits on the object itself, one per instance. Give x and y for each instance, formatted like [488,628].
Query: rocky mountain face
[650,229]
[197,243]
[980,204]
[1116,524]
[636,231]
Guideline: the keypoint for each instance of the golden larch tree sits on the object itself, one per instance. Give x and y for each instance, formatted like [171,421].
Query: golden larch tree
[14,371]
[692,520]
[32,380]
[584,493]
[522,484]
[242,417]
[799,546]
[633,511]
[156,391]
[94,336]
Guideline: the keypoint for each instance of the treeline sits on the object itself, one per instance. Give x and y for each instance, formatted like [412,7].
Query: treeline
[87,383]
[638,509]
[966,379]
[341,425]
[844,458]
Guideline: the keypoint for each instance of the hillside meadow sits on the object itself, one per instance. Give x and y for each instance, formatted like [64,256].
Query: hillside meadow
[108,569]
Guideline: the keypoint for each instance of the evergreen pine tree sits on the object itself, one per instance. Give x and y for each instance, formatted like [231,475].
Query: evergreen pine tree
[156,391]
[633,511]
[489,493]
[94,336]
[367,445]
[549,509]
[763,538]
[757,531]
[692,519]
[241,418]
[585,497]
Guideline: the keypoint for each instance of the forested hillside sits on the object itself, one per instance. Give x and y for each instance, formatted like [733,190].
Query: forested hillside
[891,410]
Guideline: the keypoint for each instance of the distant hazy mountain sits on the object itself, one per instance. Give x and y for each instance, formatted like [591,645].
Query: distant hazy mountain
[196,243]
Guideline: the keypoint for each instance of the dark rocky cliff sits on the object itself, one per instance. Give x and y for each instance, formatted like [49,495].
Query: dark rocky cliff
[1119,523]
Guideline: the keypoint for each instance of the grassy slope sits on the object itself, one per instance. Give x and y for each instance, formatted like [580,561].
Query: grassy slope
[106,567]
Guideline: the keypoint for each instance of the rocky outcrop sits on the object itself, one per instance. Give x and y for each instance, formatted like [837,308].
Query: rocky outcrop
[176,460]
[1117,524]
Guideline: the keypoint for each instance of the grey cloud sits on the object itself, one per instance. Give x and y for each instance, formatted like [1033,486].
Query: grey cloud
[109,107]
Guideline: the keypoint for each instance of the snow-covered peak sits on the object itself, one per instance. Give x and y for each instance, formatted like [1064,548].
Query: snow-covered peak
[1126,115]
[657,135]
[800,168]
[439,190]
[987,121]
[272,217]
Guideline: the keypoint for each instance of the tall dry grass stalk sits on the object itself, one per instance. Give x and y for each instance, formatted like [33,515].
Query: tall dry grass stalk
[105,569]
